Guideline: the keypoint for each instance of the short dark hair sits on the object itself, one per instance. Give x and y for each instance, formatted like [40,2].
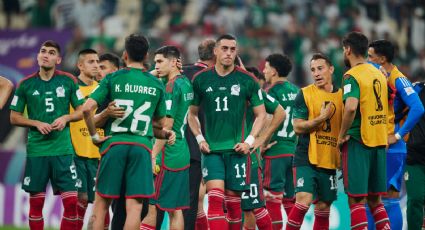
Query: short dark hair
[51,43]
[357,42]
[225,37]
[206,50]
[281,63]
[86,51]
[168,52]
[254,70]
[317,56]
[112,58]
[137,47]
[383,48]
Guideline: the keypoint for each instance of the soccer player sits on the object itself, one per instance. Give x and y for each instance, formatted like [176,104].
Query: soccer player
[173,159]
[126,148]
[223,92]
[382,52]
[108,63]
[277,163]
[195,215]
[317,119]
[6,87]
[415,170]
[87,154]
[363,134]
[252,201]
[47,95]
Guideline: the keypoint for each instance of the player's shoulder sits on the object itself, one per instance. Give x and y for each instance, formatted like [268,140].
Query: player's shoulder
[201,74]
[66,76]
[26,79]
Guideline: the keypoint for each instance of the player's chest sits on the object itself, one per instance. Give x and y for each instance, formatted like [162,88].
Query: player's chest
[230,88]
[40,92]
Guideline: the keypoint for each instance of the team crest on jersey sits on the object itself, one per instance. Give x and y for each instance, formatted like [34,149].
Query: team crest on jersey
[27,181]
[60,91]
[300,182]
[204,172]
[406,176]
[235,90]
[78,183]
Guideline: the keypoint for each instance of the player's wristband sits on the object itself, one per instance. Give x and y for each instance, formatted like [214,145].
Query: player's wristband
[397,136]
[250,140]
[200,138]
[95,137]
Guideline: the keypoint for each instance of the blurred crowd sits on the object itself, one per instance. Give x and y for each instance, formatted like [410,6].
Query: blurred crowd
[297,28]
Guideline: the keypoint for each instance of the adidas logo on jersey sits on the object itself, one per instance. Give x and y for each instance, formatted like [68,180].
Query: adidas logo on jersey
[255,201]
[209,89]
[35,93]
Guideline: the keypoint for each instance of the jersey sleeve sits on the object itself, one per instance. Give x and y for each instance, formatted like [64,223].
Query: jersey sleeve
[411,100]
[171,101]
[77,98]
[256,97]
[300,107]
[19,100]
[351,88]
[196,92]
[101,92]
[160,110]
[270,103]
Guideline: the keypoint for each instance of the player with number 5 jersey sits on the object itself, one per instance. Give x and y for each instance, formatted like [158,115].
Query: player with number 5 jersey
[46,96]
[277,163]
[125,150]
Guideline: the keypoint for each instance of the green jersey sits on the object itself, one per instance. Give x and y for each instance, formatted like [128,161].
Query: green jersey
[142,97]
[224,100]
[46,101]
[354,130]
[285,92]
[179,96]
[270,104]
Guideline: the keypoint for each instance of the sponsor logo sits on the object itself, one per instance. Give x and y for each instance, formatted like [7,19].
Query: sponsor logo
[209,89]
[35,93]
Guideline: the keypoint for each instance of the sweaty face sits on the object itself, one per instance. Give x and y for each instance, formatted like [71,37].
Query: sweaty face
[105,67]
[48,57]
[321,72]
[89,65]
[268,72]
[226,52]
[163,65]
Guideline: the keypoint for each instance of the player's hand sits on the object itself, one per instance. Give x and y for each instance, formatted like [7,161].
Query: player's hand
[258,142]
[264,148]
[204,147]
[342,140]
[43,128]
[114,111]
[325,111]
[100,140]
[170,136]
[59,123]
[243,148]
[155,167]
[391,139]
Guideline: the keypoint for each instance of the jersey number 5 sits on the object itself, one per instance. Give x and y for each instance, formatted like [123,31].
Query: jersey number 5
[137,116]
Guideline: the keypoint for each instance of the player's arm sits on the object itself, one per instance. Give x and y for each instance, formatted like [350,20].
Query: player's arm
[302,126]
[160,143]
[89,106]
[351,97]
[278,117]
[195,127]
[416,109]
[18,119]
[6,87]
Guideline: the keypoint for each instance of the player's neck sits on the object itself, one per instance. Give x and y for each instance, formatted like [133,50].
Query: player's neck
[354,61]
[224,70]
[87,80]
[173,74]
[208,63]
[388,67]
[278,79]
[46,74]
[135,65]
[328,87]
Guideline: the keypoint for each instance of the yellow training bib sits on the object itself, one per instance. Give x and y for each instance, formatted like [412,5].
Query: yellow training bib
[323,150]
[80,135]
[373,104]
